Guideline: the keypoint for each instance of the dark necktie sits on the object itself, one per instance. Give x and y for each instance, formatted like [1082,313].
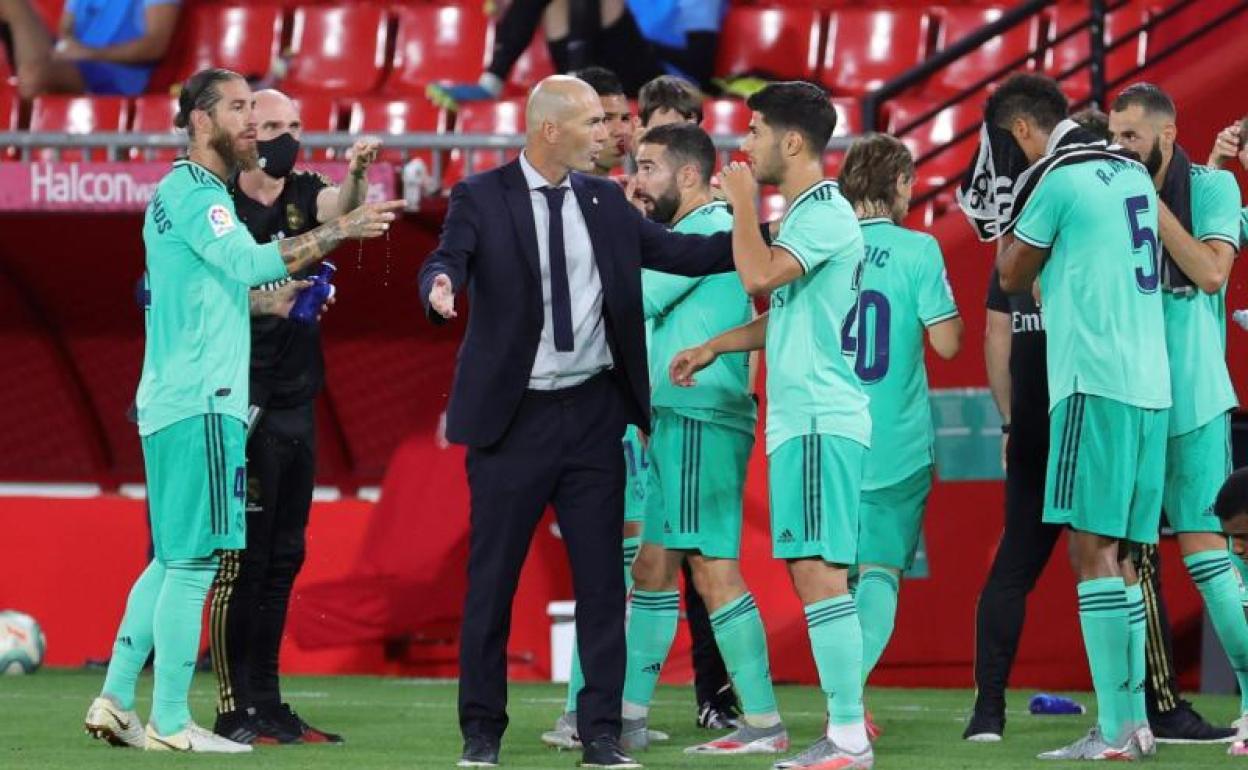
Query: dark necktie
[560,296]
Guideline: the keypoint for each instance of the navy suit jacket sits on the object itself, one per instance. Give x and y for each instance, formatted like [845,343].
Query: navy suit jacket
[489,249]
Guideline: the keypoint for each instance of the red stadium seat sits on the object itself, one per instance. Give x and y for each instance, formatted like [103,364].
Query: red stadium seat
[380,116]
[153,114]
[437,44]
[501,117]
[533,65]
[77,115]
[725,116]
[1070,52]
[9,104]
[868,46]
[319,113]
[782,42]
[337,50]
[243,38]
[957,22]
[848,117]
[936,132]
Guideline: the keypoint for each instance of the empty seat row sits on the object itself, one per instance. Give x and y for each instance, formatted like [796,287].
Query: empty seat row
[363,48]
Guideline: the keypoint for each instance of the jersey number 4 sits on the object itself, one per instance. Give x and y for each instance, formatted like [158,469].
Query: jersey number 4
[870,318]
[1146,278]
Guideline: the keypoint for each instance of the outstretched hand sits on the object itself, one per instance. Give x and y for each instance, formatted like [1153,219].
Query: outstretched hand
[442,296]
[689,362]
[370,220]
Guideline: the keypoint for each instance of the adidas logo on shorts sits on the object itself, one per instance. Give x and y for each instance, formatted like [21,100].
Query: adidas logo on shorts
[653,668]
[786,537]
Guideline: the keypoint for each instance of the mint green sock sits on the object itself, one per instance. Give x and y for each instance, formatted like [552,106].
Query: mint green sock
[876,599]
[742,641]
[1215,578]
[1135,652]
[576,679]
[1106,638]
[631,546]
[134,637]
[651,629]
[179,614]
[836,643]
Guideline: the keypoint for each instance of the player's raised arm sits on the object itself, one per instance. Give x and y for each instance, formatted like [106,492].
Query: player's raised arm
[762,268]
[368,221]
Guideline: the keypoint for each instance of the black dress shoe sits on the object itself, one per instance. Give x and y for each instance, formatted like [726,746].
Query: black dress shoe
[605,752]
[986,726]
[479,751]
[1184,725]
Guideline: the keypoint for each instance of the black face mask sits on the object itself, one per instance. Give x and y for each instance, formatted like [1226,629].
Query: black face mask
[278,155]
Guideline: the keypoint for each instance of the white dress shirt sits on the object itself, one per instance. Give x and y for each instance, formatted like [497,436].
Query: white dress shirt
[590,354]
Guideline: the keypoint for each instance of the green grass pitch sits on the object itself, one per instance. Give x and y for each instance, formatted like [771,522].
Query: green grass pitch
[410,724]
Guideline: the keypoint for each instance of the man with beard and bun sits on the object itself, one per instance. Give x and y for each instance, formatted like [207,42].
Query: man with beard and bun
[1087,228]
[905,292]
[252,590]
[192,401]
[699,449]
[818,424]
[1199,230]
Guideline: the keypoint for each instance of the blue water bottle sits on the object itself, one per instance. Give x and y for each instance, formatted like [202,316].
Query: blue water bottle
[308,303]
[1053,705]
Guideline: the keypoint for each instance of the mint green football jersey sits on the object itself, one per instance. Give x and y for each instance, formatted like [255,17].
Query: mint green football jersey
[1200,382]
[684,312]
[811,385]
[904,290]
[201,262]
[1101,286]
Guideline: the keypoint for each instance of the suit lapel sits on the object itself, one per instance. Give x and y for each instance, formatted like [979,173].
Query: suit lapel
[521,207]
[595,222]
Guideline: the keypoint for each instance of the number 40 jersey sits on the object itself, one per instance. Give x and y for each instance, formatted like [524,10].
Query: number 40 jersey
[904,290]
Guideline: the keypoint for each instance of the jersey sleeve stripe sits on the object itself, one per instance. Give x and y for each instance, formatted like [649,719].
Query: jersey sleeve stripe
[1025,238]
[1231,239]
[940,318]
[794,253]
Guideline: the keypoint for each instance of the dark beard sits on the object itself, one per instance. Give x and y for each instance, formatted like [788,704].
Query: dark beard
[665,206]
[223,145]
[1154,160]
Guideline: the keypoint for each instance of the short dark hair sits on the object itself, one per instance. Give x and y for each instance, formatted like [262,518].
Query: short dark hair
[602,80]
[1232,498]
[799,106]
[670,93]
[201,91]
[871,168]
[1147,95]
[686,143]
[1092,119]
[1029,96]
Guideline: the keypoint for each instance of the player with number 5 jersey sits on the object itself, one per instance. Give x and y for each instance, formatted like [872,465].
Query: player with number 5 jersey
[1088,226]
[904,292]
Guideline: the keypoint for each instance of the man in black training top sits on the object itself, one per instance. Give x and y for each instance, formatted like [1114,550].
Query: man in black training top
[252,590]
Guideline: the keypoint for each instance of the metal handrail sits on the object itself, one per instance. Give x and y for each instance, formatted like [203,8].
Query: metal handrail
[115,144]
[928,67]
[1093,61]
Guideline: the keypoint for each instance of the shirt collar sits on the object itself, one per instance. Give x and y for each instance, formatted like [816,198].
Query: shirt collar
[534,179]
